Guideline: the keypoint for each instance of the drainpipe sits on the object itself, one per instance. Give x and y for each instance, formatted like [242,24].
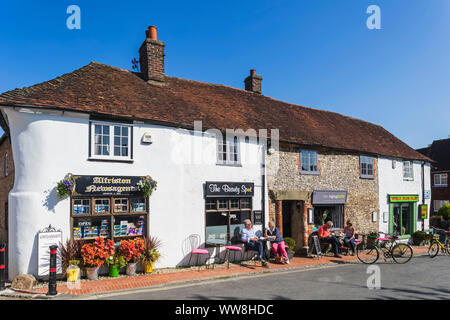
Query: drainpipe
[263,188]
[423,191]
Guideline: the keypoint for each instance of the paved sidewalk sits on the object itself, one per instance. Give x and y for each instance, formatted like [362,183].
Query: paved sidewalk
[190,275]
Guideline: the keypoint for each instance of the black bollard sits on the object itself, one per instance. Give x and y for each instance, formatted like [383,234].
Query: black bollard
[2,266]
[52,272]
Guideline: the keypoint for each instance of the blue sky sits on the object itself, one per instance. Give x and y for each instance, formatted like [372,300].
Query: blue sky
[316,53]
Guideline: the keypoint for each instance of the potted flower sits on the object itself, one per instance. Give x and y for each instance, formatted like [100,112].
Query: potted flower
[95,254]
[290,247]
[132,251]
[115,262]
[71,259]
[372,239]
[150,254]
[66,186]
[147,185]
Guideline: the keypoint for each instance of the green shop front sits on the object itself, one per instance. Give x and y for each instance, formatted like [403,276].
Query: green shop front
[403,214]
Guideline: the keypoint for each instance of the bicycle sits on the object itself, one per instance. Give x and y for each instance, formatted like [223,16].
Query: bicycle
[369,253]
[435,244]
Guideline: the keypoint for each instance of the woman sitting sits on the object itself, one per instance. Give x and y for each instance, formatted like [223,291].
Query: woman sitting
[349,239]
[273,234]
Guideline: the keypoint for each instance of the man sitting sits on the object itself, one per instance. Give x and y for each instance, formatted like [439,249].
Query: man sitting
[252,242]
[324,236]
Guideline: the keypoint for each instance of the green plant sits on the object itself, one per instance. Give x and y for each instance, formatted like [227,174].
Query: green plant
[372,236]
[147,185]
[290,243]
[70,253]
[66,186]
[116,260]
[151,246]
[444,211]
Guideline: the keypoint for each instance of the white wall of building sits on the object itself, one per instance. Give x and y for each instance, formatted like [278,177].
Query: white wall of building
[48,145]
[391,182]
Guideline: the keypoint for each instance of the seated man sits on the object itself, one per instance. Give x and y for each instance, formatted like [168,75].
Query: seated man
[252,242]
[324,236]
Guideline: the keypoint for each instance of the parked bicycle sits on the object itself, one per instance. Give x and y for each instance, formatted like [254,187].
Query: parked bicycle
[369,253]
[435,244]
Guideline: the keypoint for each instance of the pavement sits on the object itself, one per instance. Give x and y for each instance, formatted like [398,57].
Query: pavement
[184,277]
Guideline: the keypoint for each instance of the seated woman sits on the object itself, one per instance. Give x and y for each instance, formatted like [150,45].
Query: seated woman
[273,234]
[349,239]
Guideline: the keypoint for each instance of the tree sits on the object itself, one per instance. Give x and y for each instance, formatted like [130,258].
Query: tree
[444,211]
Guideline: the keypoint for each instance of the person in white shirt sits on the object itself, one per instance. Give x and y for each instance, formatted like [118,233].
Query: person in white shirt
[251,241]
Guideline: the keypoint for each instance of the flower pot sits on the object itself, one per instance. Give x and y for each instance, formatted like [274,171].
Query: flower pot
[148,267]
[73,273]
[92,273]
[131,268]
[113,271]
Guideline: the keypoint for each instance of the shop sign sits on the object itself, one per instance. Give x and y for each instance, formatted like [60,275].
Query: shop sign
[404,198]
[423,209]
[329,197]
[46,238]
[229,189]
[106,185]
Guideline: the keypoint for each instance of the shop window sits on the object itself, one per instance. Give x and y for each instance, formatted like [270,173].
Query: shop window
[227,221]
[101,206]
[228,151]
[309,163]
[402,219]
[81,206]
[93,217]
[366,167]
[408,172]
[111,141]
[441,180]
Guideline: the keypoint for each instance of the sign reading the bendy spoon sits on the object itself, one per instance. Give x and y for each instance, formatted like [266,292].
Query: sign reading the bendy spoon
[106,185]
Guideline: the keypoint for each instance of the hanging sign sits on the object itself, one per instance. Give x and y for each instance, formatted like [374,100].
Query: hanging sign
[46,238]
[404,198]
[423,209]
[106,185]
[229,189]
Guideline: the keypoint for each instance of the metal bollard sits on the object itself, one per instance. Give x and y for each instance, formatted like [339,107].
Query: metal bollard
[52,272]
[2,266]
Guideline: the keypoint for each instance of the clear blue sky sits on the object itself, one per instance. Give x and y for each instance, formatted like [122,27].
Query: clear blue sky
[316,53]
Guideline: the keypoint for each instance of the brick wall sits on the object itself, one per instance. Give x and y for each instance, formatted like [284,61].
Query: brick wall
[337,171]
[151,60]
[6,184]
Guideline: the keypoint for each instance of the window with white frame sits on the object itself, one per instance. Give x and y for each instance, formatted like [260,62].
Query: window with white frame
[441,180]
[228,151]
[366,167]
[309,163]
[408,172]
[437,204]
[110,141]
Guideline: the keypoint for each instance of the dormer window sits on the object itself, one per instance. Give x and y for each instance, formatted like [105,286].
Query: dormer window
[111,141]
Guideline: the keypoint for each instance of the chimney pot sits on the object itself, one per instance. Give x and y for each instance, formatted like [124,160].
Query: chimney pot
[153,32]
[252,72]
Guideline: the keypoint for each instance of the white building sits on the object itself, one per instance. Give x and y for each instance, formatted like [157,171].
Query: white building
[403,186]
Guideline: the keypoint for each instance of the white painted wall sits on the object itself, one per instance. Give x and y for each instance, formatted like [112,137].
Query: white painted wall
[48,145]
[391,182]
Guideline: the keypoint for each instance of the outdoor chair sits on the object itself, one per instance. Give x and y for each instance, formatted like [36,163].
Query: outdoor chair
[191,245]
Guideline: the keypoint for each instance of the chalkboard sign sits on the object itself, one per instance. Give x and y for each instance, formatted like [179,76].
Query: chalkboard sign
[257,217]
[317,246]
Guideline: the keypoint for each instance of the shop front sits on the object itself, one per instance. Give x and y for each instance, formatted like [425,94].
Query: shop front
[403,214]
[329,206]
[108,206]
[227,205]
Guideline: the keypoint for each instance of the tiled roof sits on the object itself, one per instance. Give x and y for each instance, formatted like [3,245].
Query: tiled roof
[439,151]
[98,88]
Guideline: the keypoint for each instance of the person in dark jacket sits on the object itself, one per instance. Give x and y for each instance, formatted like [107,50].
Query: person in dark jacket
[273,234]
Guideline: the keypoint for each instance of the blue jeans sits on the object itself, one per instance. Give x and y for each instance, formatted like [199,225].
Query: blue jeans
[350,243]
[256,246]
[335,244]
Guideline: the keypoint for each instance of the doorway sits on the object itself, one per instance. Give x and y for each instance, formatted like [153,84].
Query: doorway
[402,219]
[287,218]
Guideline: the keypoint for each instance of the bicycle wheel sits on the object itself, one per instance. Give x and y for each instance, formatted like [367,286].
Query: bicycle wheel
[367,255]
[433,250]
[447,248]
[402,253]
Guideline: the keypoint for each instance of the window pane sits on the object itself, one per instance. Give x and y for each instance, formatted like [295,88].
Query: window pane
[106,129]
[98,129]
[210,204]
[117,130]
[105,151]
[116,151]
[138,204]
[223,204]
[237,224]
[125,152]
[101,206]
[234,204]
[217,226]
[125,131]
[245,203]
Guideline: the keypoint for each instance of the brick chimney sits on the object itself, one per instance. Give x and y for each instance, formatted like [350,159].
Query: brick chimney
[253,82]
[151,57]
